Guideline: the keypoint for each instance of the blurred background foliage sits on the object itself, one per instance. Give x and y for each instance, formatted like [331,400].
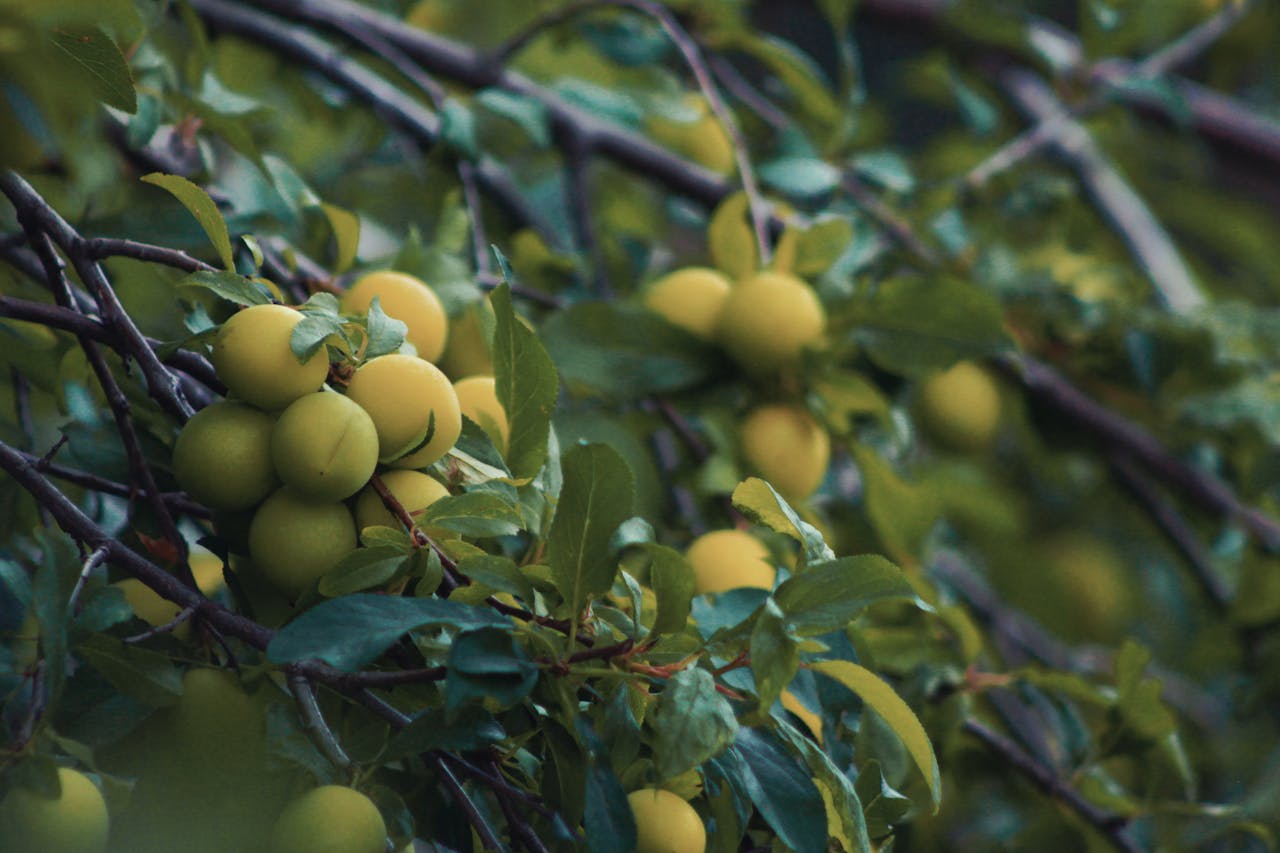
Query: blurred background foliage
[867,119]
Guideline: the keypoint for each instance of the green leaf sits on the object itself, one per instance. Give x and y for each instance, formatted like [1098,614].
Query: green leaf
[352,631]
[58,571]
[845,395]
[473,514]
[500,573]
[609,823]
[761,504]
[364,568]
[96,60]
[913,326]
[202,208]
[231,286]
[826,596]
[1138,697]
[433,729]
[803,177]
[386,334]
[845,820]
[884,806]
[881,698]
[886,168]
[311,333]
[346,234]
[487,664]
[526,384]
[597,496]
[901,513]
[692,723]
[672,582]
[625,352]
[141,674]
[775,656]
[821,245]
[782,790]
[528,113]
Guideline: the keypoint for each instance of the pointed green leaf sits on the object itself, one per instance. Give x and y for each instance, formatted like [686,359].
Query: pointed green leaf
[693,723]
[197,201]
[672,582]
[231,286]
[526,385]
[97,60]
[827,596]
[782,790]
[473,514]
[762,504]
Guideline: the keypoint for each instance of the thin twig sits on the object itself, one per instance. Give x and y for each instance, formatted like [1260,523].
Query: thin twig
[184,615]
[91,563]
[897,227]
[313,722]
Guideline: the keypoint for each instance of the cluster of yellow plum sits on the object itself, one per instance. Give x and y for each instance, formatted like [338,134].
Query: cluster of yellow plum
[292,449]
[765,321]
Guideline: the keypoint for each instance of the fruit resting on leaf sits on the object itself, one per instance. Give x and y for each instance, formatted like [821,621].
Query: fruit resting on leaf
[413,406]
[768,320]
[787,447]
[329,819]
[960,408]
[690,298]
[728,559]
[294,541]
[665,823]
[75,821]
[478,400]
[324,446]
[407,299]
[222,457]
[252,357]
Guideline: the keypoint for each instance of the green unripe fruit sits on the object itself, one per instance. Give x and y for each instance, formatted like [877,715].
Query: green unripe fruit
[415,491]
[690,298]
[413,406]
[407,299]
[960,408]
[325,446]
[768,320]
[728,559]
[252,357]
[478,400]
[75,821]
[215,719]
[665,823]
[222,457]
[294,541]
[787,447]
[329,819]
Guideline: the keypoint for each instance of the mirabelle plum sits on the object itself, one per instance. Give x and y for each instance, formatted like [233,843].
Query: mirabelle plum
[467,352]
[325,446]
[415,491]
[728,559]
[329,819]
[787,447]
[960,408]
[413,405]
[702,138]
[478,400]
[768,320]
[75,821]
[407,299]
[151,607]
[295,541]
[222,457]
[690,298]
[252,357]
[665,823]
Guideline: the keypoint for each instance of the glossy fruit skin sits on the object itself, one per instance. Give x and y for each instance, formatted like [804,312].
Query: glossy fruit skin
[768,320]
[222,457]
[151,607]
[414,408]
[329,819]
[665,823]
[415,490]
[787,447]
[408,299]
[729,559]
[252,357]
[478,400]
[690,298]
[960,408]
[76,821]
[295,541]
[325,446]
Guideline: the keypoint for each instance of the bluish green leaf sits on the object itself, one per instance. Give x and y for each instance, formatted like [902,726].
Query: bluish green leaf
[500,573]
[526,384]
[775,656]
[761,504]
[692,723]
[486,663]
[671,578]
[826,596]
[527,113]
[386,334]
[473,514]
[782,790]
[364,568]
[610,825]
[803,177]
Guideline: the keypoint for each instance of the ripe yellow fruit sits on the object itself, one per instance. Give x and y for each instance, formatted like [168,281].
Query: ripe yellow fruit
[702,139]
[728,559]
[294,541]
[222,457]
[1085,580]
[325,446]
[690,298]
[769,319]
[75,821]
[415,490]
[467,351]
[811,720]
[329,819]
[665,823]
[151,607]
[960,408]
[478,400]
[407,299]
[787,447]
[413,405]
[214,717]
[252,357]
